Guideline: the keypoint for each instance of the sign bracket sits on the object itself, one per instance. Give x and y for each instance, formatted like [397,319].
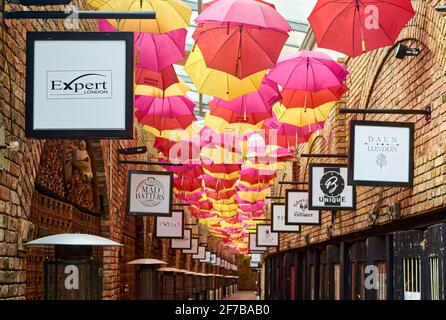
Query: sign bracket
[426,111]
[322,155]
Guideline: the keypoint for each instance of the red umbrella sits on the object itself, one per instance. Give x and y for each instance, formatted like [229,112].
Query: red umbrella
[161,80]
[239,50]
[183,149]
[222,168]
[218,183]
[163,123]
[186,184]
[355,26]
[233,117]
[300,98]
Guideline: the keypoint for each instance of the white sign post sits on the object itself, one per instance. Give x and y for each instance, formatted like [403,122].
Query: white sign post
[297,210]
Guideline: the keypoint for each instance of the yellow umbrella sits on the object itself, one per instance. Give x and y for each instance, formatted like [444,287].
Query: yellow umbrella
[302,116]
[253,196]
[177,89]
[256,185]
[225,207]
[222,126]
[176,135]
[226,176]
[170,14]
[218,83]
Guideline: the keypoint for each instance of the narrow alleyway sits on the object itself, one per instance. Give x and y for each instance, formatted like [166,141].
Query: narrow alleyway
[243,295]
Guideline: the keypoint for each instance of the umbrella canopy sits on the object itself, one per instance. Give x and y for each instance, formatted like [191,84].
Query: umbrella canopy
[170,107]
[355,26]
[73,239]
[161,123]
[238,49]
[158,51]
[301,117]
[220,125]
[218,83]
[161,80]
[309,71]
[258,101]
[247,12]
[170,14]
[207,4]
[302,98]
[177,89]
[233,117]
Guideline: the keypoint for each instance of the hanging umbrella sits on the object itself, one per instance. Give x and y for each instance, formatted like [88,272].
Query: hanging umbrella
[161,123]
[161,80]
[301,117]
[186,184]
[309,71]
[277,132]
[170,14]
[170,107]
[187,170]
[218,83]
[220,125]
[239,50]
[254,13]
[181,150]
[230,116]
[258,101]
[216,183]
[207,4]
[355,26]
[298,98]
[177,89]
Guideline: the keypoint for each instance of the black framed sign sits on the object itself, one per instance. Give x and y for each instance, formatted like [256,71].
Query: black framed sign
[194,247]
[329,189]
[150,193]
[381,153]
[252,244]
[256,257]
[266,237]
[254,264]
[213,258]
[79,85]
[201,253]
[183,243]
[217,262]
[207,257]
[278,219]
[170,227]
[297,210]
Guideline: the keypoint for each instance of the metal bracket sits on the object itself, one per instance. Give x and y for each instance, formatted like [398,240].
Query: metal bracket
[428,115]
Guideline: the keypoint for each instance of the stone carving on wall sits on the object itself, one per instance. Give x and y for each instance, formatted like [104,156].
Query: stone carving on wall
[76,157]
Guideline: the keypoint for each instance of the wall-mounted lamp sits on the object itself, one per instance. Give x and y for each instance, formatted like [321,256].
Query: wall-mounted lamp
[441,9]
[403,51]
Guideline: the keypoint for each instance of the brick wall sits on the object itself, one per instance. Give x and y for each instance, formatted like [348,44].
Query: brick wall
[378,80]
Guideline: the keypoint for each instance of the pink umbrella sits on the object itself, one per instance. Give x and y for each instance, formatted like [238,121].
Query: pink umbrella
[154,51]
[255,102]
[158,51]
[308,70]
[161,80]
[246,12]
[281,129]
[168,107]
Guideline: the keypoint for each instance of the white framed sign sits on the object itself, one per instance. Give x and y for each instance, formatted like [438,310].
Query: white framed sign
[194,247]
[201,253]
[328,188]
[183,243]
[254,264]
[278,219]
[297,210]
[266,237]
[170,227]
[217,262]
[252,244]
[381,153]
[213,258]
[84,93]
[149,193]
[256,257]
[207,257]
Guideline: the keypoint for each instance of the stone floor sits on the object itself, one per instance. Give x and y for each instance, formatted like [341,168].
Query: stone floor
[243,295]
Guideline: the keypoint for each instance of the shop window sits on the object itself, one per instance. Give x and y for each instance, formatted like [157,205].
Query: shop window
[337,281]
[434,278]
[381,293]
[412,278]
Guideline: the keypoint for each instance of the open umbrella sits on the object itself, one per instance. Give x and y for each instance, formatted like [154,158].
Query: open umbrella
[162,123]
[161,80]
[258,101]
[233,117]
[301,117]
[299,98]
[239,50]
[218,83]
[355,26]
[177,89]
[246,12]
[170,14]
[309,71]
[170,107]
[220,125]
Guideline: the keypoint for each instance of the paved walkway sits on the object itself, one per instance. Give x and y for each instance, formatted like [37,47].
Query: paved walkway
[243,295]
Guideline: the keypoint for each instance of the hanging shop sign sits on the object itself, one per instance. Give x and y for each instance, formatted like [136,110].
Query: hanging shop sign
[213,258]
[381,153]
[297,211]
[328,188]
[254,265]
[207,257]
[217,262]
[252,244]
[278,220]
[183,243]
[170,227]
[194,247]
[266,237]
[256,257]
[150,193]
[79,85]
[201,253]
